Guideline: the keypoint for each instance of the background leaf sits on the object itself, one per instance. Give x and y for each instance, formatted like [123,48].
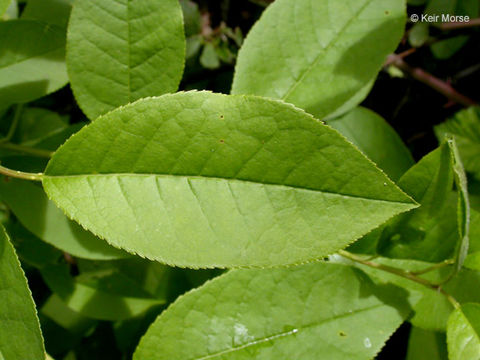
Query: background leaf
[318,54]
[40,216]
[463,333]
[241,181]
[105,294]
[50,11]
[376,139]
[430,232]
[32,61]
[465,126]
[308,312]
[4,5]
[20,335]
[424,344]
[463,207]
[121,51]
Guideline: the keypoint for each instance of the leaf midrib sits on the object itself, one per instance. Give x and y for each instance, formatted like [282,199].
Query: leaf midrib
[284,334]
[320,55]
[413,203]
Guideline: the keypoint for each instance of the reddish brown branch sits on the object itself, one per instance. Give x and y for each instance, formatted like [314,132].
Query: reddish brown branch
[460,25]
[428,79]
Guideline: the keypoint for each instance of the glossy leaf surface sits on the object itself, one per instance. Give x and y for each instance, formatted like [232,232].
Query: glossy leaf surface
[207,180]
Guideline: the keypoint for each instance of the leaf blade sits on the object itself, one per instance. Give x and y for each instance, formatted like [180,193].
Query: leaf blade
[40,216]
[19,321]
[262,162]
[316,65]
[463,333]
[121,51]
[255,314]
[33,61]
[376,139]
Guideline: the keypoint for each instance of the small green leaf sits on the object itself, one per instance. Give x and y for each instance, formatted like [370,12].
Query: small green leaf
[463,212]
[20,335]
[428,233]
[209,58]
[40,216]
[316,311]
[463,333]
[32,60]
[376,139]
[318,54]
[208,180]
[445,49]
[104,295]
[37,124]
[465,126]
[56,310]
[418,34]
[121,51]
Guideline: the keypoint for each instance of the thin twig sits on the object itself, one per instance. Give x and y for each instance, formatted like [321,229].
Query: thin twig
[399,272]
[460,25]
[428,79]
[434,267]
[21,174]
[402,55]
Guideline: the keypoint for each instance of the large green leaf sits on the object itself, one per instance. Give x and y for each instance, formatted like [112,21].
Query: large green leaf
[376,139]
[463,333]
[40,216]
[20,336]
[318,54]
[32,60]
[121,51]
[203,180]
[465,126]
[315,311]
